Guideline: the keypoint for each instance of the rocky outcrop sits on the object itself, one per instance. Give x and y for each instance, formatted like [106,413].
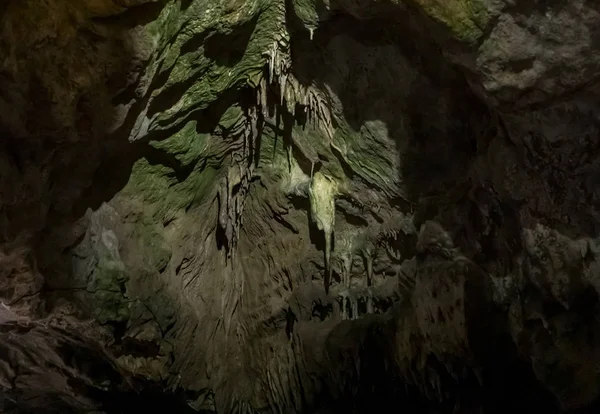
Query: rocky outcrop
[299,205]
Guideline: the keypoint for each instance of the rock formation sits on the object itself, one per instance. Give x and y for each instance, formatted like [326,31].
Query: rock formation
[299,206]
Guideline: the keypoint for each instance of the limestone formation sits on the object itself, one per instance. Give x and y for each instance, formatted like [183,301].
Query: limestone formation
[299,206]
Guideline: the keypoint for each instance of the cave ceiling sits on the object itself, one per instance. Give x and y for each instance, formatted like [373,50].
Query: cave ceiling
[299,206]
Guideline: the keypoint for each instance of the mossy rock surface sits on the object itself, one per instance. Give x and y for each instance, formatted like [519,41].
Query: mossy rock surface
[466,19]
[107,288]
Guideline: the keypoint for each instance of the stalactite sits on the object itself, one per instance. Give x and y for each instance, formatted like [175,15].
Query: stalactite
[291,91]
[354,304]
[322,192]
[290,155]
[392,253]
[346,269]
[262,100]
[328,244]
[232,195]
[368,259]
[282,86]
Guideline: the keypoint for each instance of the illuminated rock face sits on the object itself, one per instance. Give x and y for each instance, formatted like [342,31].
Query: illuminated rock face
[270,206]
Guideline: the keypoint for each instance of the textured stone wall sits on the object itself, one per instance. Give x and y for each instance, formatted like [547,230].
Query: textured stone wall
[299,205]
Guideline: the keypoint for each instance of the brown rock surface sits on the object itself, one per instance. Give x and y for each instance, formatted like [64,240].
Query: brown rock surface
[299,206]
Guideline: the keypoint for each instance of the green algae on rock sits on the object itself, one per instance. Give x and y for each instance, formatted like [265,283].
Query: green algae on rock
[467,19]
[107,288]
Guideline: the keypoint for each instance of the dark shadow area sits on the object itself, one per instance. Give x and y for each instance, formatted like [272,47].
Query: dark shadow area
[150,398]
[365,375]
[353,219]
[185,4]
[545,6]
[133,16]
[62,372]
[437,152]
[227,49]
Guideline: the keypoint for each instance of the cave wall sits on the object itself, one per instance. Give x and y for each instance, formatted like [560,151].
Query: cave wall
[285,206]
